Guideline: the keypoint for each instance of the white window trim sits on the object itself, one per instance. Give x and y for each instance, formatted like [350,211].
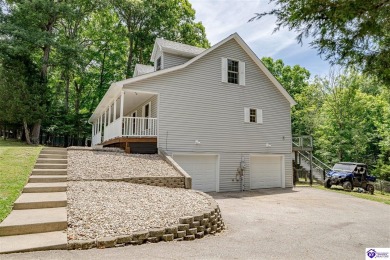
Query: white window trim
[136,113]
[259,115]
[241,71]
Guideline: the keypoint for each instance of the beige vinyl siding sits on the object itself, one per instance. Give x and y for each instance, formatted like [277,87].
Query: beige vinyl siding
[171,60]
[196,105]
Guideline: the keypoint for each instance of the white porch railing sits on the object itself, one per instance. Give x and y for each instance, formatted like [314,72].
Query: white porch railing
[139,126]
[113,130]
[97,139]
[128,127]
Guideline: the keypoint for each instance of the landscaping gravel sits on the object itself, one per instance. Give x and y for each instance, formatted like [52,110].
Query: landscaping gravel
[99,208]
[93,165]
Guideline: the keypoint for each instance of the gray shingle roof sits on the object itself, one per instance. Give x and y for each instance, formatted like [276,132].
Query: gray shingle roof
[179,47]
[143,69]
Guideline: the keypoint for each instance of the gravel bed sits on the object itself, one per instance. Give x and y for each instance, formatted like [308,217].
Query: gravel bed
[98,208]
[94,165]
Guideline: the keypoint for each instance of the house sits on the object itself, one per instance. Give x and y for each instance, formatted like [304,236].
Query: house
[218,112]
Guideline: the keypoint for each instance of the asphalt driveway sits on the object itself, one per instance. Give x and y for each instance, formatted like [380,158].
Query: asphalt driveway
[302,223]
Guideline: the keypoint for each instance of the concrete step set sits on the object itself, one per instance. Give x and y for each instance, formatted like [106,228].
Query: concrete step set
[39,219]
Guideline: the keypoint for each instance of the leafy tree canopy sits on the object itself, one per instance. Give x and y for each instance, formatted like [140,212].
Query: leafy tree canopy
[355,32]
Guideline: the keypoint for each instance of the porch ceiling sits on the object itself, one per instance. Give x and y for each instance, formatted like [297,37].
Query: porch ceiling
[134,99]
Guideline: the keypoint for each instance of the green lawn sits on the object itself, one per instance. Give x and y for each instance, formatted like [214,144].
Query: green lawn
[16,162]
[378,196]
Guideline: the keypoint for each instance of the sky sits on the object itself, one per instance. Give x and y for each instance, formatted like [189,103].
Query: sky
[221,18]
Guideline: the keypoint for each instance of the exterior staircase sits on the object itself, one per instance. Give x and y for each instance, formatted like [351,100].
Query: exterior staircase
[318,167]
[39,219]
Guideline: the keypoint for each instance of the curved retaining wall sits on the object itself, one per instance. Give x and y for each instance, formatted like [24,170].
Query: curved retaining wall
[193,227]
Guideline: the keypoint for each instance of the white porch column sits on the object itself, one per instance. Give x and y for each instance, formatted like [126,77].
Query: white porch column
[101,121]
[114,110]
[105,118]
[109,114]
[121,111]
[122,103]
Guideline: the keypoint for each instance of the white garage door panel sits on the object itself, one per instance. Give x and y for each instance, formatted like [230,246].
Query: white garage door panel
[202,169]
[266,172]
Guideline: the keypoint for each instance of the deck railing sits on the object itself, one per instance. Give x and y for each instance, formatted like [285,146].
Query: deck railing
[303,142]
[128,127]
[139,126]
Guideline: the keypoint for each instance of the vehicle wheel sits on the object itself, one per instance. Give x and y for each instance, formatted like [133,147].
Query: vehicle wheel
[327,183]
[370,189]
[347,186]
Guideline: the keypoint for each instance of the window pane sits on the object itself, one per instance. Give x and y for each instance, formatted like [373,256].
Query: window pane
[233,77]
[158,66]
[252,115]
[232,65]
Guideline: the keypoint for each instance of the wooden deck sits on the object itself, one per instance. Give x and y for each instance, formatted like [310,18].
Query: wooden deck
[142,145]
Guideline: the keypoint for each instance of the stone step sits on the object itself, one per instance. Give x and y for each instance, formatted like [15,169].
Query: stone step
[54,151]
[50,166]
[47,178]
[51,161]
[49,172]
[52,156]
[29,221]
[45,187]
[41,200]
[33,242]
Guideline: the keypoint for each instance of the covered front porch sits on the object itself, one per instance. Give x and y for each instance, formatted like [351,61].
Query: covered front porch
[130,117]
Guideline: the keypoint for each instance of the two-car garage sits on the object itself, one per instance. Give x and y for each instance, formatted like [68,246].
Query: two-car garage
[266,171]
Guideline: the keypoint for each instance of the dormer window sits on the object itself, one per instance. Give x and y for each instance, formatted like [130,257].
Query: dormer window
[158,64]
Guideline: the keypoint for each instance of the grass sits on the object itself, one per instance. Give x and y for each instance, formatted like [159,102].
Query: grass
[16,162]
[377,196]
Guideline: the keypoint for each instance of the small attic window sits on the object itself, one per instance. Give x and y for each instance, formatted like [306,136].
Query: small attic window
[158,64]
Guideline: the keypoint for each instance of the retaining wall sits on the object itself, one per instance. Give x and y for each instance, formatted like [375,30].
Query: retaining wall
[193,227]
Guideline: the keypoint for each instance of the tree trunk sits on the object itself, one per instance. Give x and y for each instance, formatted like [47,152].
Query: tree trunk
[3,131]
[67,85]
[26,131]
[6,133]
[36,132]
[129,59]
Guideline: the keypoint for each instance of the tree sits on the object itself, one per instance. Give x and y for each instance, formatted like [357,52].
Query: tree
[348,121]
[295,80]
[20,90]
[27,27]
[146,20]
[382,168]
[354,33]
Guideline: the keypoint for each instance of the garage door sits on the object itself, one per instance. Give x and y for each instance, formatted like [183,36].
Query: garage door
[265,172]
[202,169]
